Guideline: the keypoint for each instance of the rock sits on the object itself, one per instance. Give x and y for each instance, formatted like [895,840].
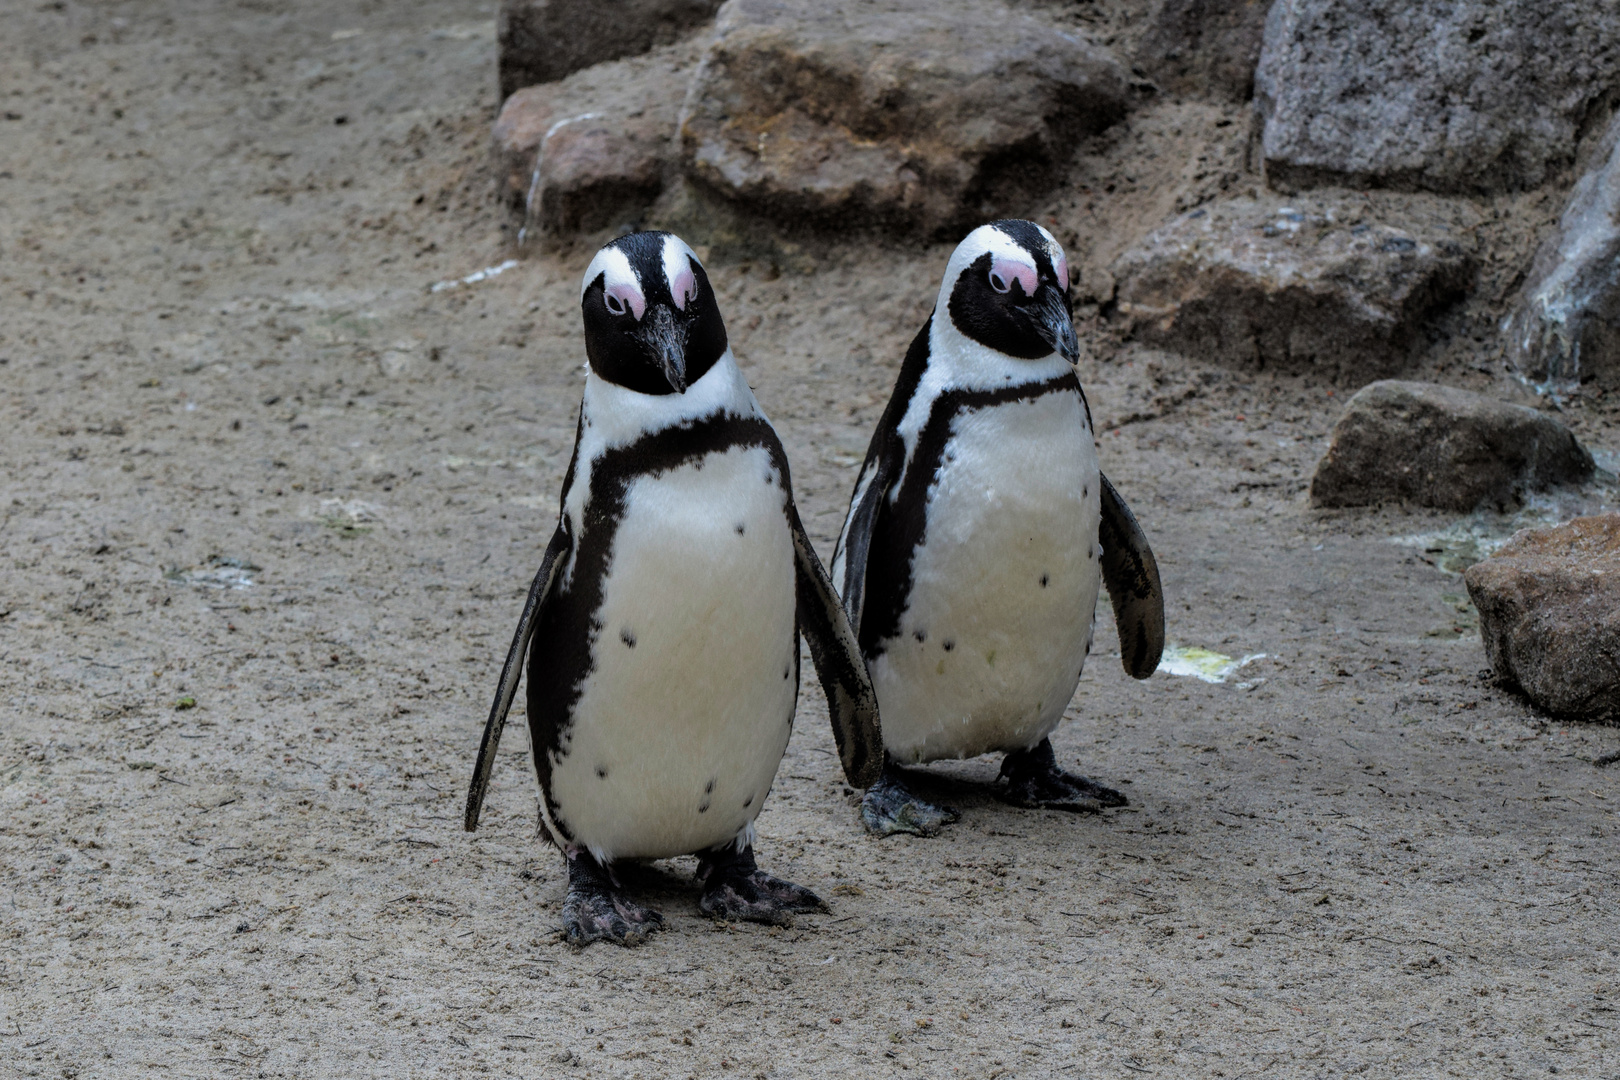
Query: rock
[1439,446]
[604,140]
[916,115]
[1205,49]
[1436,95]
[542,41]
[1566,326]
[1549,615]
[1310,285]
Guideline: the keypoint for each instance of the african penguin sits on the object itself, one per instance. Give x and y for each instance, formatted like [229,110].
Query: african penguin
[662,630]
[970,560]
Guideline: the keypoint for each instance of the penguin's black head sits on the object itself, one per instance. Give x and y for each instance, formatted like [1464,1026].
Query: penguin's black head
[651,321]
[1009,291]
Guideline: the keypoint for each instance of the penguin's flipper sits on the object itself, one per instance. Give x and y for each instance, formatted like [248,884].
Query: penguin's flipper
[556,551]
[871,489]
[1132,576]
[850,701]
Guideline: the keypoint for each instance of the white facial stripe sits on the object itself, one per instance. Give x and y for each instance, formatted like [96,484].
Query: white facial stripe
[1054,251]
[619,280]
[678,260]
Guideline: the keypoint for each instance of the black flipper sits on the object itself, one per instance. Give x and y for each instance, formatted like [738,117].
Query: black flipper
[1132,576]
[857,538]
[556,552]
[885,461]
[850,700]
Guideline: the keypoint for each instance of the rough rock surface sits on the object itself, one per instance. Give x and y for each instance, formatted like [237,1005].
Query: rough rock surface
[1205,49]
[604,140]
[1438,95]
[542,41]
[1567,323]
[912,114]
[1308,285]
[1440,446]
[1549,615]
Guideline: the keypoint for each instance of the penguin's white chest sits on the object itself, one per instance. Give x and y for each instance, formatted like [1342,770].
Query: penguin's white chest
[679,728]
[1004,586]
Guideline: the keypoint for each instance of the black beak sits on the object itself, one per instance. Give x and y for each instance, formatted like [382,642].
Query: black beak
[665,336]
[1054,323]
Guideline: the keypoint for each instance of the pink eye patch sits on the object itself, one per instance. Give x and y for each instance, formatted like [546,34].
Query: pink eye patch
[683,288]
[1003,272]
[624,297]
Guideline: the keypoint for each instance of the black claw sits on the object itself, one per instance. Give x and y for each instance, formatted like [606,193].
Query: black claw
[597,910]
[1034,781]
[734,888]
[890,807]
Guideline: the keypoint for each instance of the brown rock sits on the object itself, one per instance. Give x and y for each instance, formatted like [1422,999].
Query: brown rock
[1549,615]
[603,140]
[1205,49]
[542,41]
[1439,446]
[909,114]
[1309,285]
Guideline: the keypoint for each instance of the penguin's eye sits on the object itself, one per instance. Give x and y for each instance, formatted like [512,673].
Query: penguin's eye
[1005,273]
[622,298]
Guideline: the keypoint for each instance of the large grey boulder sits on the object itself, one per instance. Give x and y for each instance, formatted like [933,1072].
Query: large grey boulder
[1205,49]
[916,115]
[1308,285]
[594,150]
[1566,325]
[1439,446]
[1549,615]
[1438,95]
[541,41]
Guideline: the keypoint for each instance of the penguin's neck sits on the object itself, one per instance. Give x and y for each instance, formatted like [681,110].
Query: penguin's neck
[613,416]
[958,363]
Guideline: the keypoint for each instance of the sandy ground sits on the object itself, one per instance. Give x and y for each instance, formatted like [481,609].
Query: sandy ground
[254,463]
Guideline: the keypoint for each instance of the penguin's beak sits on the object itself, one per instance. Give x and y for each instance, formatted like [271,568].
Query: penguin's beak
[1053,322]
[665,336]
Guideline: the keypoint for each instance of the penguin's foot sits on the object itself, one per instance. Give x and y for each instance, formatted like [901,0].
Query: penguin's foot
[734,888]
[890,807]
[1035,781]
[596,909]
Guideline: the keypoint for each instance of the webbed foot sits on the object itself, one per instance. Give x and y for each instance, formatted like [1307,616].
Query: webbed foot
[890,807]
[597,910]
[1035,781]
[734,888]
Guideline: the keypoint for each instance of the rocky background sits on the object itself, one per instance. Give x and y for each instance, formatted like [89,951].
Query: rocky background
[289,365]
[1387,169]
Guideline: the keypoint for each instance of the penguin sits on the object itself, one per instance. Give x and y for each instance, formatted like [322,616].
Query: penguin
[661,633]
[979,532]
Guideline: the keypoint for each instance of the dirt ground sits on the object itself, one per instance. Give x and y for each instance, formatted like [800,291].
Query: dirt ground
[270,505]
